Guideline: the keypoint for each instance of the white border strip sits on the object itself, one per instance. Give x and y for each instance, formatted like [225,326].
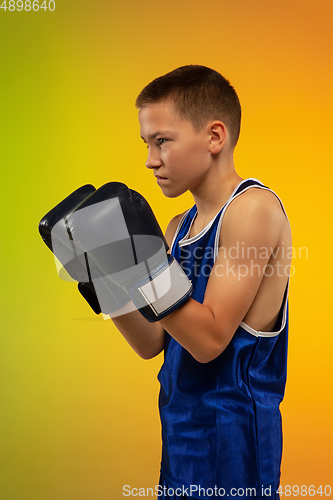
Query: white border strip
[187,241]
[258,333]
[178,228]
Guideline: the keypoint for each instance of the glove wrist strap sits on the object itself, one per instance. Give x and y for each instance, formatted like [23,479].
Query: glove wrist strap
[162,292]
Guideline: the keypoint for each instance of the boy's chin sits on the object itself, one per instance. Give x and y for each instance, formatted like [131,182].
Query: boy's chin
[171,193]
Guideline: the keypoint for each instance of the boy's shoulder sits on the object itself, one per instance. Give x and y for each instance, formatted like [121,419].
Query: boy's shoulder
[255,217]
[257,203]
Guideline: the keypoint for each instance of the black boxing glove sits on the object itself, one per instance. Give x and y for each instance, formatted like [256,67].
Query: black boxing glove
[117,230]
[111,297]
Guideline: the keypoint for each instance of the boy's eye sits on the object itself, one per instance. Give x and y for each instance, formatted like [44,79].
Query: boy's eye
[161,141]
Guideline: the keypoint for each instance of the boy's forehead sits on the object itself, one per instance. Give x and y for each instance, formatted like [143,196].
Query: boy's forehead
[158,111]
[160,116]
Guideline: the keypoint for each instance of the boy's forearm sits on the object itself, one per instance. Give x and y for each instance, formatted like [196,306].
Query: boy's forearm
[146,339]
[194,326]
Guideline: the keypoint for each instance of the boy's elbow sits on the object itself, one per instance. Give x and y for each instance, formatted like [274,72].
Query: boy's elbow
[147,353]
[146,356]
[207,357]
[214,345]
[211,352]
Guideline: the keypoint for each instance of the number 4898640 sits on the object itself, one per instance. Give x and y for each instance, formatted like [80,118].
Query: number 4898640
[304,490]
[27,5]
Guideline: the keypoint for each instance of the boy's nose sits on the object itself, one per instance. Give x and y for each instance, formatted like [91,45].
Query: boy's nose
[153,160]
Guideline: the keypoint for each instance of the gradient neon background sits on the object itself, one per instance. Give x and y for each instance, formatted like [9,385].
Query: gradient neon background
[78,409]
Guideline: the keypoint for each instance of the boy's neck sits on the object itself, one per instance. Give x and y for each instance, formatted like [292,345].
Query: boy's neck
[216,188]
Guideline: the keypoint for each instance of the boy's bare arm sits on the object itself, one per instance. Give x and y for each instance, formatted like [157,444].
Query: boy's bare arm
[147,339]
[253,220]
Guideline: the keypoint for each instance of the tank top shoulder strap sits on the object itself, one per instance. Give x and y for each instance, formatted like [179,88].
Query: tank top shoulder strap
[241,188]
[184,226]
[247,184]
[187,218]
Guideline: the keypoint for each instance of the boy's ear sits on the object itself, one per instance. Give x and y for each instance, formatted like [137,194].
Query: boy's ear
[218,136]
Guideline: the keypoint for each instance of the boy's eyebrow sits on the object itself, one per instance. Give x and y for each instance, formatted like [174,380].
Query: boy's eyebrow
[153,136]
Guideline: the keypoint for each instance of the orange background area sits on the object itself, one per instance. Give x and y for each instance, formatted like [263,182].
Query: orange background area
[79,416]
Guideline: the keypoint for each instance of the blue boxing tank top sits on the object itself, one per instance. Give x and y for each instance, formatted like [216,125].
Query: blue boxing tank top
[221,423]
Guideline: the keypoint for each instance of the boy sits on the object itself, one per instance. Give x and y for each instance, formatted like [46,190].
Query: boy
[225,346]
[225,349]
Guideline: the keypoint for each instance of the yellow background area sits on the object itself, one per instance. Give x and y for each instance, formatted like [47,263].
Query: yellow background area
[79,417]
